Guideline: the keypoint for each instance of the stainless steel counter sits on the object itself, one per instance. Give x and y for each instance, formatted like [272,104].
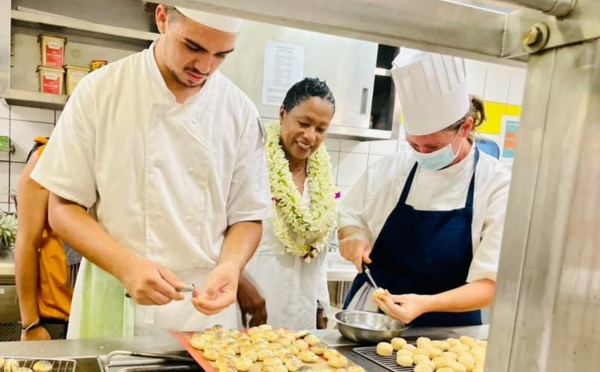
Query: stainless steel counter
[164,343]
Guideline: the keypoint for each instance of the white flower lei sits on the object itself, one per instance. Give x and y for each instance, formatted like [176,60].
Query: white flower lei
[312,226]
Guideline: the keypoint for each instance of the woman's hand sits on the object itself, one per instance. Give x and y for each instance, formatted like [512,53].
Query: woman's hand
[405,308]
[251,303]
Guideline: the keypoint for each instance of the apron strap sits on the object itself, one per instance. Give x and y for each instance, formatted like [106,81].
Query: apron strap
[469,203]
[408,184]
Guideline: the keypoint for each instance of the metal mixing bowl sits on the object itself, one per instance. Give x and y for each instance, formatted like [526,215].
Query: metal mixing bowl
[367,327]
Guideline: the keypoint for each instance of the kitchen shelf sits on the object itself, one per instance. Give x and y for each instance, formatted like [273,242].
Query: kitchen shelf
[36,99]
[382,72]
[48,22]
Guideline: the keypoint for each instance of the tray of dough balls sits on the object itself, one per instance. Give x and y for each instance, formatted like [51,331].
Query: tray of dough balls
[262,349]
[21,364]
[463,354]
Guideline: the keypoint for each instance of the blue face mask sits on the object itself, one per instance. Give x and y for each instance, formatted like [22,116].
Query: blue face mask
[438,159]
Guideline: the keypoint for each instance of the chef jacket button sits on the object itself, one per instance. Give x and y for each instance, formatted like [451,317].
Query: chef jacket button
[158,164]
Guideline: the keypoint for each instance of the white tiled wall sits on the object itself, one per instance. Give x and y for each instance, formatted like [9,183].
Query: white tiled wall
[22,125]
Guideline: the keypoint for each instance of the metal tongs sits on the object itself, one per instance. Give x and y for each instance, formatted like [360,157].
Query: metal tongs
[186,288]
[368,274]
[147,361]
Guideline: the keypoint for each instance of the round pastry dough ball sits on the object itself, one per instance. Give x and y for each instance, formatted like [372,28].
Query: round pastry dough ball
[398,343]
[22,369]
[423,368]
[271,361]
[422,341]
[271,336]
[453,341]
[434,352]
[250,354]
[319,348]
[294,364]
[458,348]
[405,352]
[443,345]
[457,367]
[385,349]
[478,369]
[450,355]
[338,361]
[329,353]
[308,356]
[468,363]
[444,369]
[312,340]
[422,350]
[265,353]
[466,340]
[409,347]
[301,344]
[441,362]
[265,327]
[42,366]
[404,360]
[420,358]
[211,353]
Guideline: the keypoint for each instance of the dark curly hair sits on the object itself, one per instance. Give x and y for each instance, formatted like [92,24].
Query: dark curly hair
[305,89]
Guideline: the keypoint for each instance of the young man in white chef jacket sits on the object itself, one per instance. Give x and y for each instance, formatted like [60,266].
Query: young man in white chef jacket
[167,154]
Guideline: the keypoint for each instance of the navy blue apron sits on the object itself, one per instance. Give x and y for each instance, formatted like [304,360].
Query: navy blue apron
[424,252]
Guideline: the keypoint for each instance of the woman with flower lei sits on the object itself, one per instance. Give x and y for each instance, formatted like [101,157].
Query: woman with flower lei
[289,267]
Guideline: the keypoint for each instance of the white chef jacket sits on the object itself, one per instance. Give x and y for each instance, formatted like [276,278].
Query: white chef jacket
[289,285]
[374,196]
[164,179]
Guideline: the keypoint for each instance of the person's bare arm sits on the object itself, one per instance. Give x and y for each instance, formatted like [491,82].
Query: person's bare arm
[241,240]
[146,282]
[471,296]
[32,201]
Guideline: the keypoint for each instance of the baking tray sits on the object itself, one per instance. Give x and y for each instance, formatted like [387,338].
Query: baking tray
[58,365]
[184,337]
[389,363]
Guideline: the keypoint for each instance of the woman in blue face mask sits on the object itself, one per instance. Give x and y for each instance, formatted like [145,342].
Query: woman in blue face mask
[428,222]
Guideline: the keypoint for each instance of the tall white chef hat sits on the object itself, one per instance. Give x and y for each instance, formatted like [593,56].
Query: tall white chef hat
[216,21]
[432,89]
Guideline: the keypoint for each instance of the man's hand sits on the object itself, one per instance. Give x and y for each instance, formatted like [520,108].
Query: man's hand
[219,291]
[356,250]
[405,308]
[151,284]
[251,303]
[38,333]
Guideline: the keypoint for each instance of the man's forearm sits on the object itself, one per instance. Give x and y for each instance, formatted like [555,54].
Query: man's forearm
[79,229]
[241,241]
[471,296]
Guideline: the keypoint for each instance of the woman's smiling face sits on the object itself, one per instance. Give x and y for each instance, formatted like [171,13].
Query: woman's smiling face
[304,127]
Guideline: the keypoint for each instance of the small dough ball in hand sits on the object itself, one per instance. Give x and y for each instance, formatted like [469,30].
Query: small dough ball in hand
[398,343]
[42,366]
[378,293]
[385,349]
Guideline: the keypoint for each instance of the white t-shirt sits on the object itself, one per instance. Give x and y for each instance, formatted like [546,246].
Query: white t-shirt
[378,190]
